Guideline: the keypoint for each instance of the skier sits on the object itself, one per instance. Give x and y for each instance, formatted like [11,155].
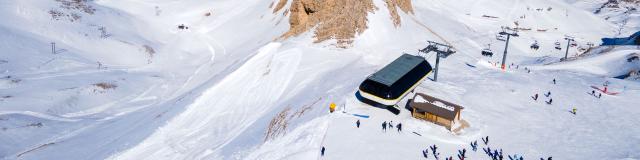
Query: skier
[535,97]
[474,145]
[384,126]
[391,125]
[548,94]
[593,92]
[554,81]
[399,127]
[486,140]
[425,153]
[433,150]
[487,151]
[358,123]
[550,101]
[574,110]
[322,151]
[599,95]
[462,153]
[549,158]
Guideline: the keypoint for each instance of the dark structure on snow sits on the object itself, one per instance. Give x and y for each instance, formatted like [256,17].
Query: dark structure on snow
[435,110]
[631,40]
[390,84]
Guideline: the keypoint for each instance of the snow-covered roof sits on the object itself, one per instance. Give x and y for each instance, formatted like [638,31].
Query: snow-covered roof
[396,69]
[441,108]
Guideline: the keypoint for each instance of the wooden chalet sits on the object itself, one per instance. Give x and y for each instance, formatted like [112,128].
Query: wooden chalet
[435,110]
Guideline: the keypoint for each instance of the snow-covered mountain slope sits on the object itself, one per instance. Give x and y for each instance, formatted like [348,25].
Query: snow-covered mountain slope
[125,82]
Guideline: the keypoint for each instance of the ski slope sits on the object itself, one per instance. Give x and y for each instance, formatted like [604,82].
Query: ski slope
[126,83]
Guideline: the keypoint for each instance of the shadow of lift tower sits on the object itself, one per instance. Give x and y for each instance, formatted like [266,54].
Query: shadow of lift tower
[441,50]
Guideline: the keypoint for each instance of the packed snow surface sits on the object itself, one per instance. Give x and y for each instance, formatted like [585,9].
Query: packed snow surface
[125,82]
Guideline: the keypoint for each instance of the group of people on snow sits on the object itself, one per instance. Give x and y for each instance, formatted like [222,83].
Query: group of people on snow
[593,93]
[390,124]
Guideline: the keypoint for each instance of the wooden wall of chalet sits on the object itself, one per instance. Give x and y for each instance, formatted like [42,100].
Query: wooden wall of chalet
[432,118]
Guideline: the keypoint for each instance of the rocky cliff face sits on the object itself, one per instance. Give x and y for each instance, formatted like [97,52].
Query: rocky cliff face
[341,20]
[404,5]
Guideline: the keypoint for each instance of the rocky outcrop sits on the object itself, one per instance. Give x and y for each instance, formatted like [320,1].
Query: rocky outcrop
[279,6]
[393,5]
[341,20]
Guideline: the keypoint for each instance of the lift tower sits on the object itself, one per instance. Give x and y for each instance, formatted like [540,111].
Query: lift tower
[569,40]
[441,50]
[508,32]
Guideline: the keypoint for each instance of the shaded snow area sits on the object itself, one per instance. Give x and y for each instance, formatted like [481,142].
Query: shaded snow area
[202,79]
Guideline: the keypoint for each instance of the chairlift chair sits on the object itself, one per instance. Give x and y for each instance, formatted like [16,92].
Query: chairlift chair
[535,46]
[501,37]
[558,46]
[487,51]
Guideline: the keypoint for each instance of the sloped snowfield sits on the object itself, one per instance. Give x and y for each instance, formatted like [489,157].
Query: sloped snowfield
[124,82]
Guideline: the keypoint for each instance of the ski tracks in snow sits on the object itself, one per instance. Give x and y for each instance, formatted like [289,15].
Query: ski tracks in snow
[224,111]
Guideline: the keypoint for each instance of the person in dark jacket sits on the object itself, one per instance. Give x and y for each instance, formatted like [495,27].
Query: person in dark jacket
[384,126]
[322,151]
[399,126]
[358,123]
[535,97]
[425,153]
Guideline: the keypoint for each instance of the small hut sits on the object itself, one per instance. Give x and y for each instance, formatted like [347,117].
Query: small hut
[435,110]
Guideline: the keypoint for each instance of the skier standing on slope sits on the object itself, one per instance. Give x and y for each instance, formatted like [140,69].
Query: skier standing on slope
[554,81]
[384,126]
[390,124]
[358,123]
[322,151]
[425,153]
[599,95]
[399,127]
[486,140]
[474,145]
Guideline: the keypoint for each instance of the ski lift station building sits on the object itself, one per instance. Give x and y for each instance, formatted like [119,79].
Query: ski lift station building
[435,110]
[631,40]
[391,83]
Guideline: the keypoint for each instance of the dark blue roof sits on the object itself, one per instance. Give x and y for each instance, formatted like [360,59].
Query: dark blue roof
[396,69]
[634,39]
